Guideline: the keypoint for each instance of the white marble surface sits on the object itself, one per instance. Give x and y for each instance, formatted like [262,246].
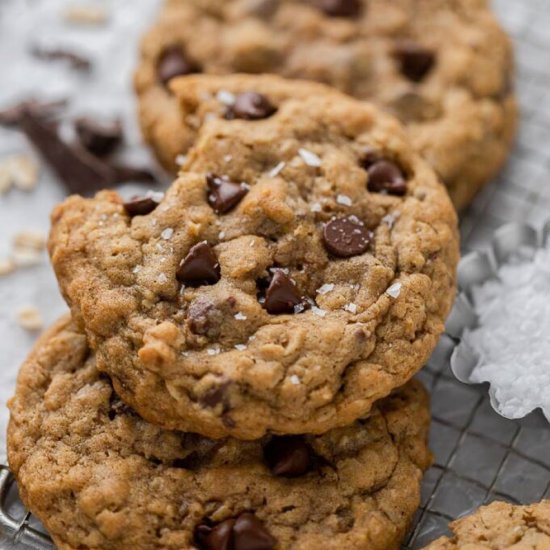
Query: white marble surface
[106,91]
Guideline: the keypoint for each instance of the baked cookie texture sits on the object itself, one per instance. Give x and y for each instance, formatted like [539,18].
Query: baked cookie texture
[444,67]
[500,526]
[98,476]
[299,269]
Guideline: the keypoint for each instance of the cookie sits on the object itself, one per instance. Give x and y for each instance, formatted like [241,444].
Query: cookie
[300,268]
[444,67]
[98,476]
[500,526]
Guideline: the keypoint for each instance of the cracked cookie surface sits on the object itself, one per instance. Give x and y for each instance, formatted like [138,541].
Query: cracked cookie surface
[500,526]
[444,67]
[98,476]
[300,268]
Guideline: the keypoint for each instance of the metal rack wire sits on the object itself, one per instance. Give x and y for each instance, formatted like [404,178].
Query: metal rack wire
[480,456]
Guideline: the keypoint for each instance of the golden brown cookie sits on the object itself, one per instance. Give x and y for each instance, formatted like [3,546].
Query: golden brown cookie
[500,526]
[98,476]
[444,67]
[300,269]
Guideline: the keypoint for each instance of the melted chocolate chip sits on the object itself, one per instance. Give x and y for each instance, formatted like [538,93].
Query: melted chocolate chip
[249,533]
[140,206]
[386,177]
[415,60]
[224,194]
[199,267]
[346,237]
[282,296]
[100,139]
[251,106]
[288,456]
[219,537]
[215,395]
[173,62]
[341,8]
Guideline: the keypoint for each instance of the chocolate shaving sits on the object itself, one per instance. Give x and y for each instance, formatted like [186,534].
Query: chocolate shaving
[75,60]
[80,171]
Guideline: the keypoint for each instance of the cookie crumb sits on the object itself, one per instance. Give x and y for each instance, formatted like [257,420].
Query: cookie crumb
[7,266]
[30,239]
[30,318]
[394,291]
[311,159]
[26,257]
[85,14]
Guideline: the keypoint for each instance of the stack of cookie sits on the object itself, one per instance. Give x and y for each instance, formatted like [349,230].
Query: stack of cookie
[236,372]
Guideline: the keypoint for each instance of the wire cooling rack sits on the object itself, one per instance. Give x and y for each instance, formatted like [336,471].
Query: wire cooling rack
[480,456]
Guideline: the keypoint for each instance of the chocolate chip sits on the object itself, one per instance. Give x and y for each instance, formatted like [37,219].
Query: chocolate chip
[215,395]
[341,8]
[369,156]
[386,177]
[249,533]
[346,237]
[199,267]
[140,206]
[80,171]
[75,60]
[219,537]
[224,194]
[98,138]
[288,456]
[281,296]
[45,110]
[173,62]
[246,532]
[251,106]
[415,60]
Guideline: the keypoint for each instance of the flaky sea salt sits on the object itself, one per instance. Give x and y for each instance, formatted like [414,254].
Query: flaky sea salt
[315,207]
[318,311]
[240,347]
[225,97]
[311,159]
[162,278]
[167,234]
[325,289]
[181,160]
[511,340]
[351,308]
[274,172]
[394,291]
[344,200]
[294,379]
[240,316]
[213,351]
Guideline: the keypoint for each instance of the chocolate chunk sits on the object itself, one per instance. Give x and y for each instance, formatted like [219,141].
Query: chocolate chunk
[282,296]
[98,138]
[219,537]
[251,106]
[124,173]
[346,237]
[75,60]
[80,171]
[140,206]
[173,62]
[288,456]
[199,267]
[249,533]
[44,110]
[224,194]
[369,156]
[415,60]
[386,177]
[341,8]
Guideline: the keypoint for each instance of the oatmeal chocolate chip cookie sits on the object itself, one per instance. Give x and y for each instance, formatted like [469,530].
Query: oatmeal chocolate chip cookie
[98,476]
[299,270]
[500,526]
[444,67]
